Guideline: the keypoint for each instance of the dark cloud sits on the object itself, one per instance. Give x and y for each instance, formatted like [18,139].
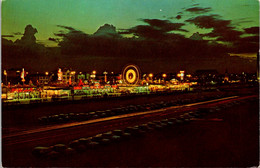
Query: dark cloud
[195,4]
[225,34]
[222,29]
[175,37]
[196,36]
[105,41]
[164,25]
[66,27]
[18,33]
[72,31]
[209,21]
[155,43]
[244,46]
[24,52]
[247,43]
[53,39]
[108,31]
[250,39]
[146,31]
[6,42]
[70,39]
[198,10]
[178,17]
[156,47]
[241,20]
[156,29]
[28,37]
[7,35]
[252,30]
[61,31]
[60,34]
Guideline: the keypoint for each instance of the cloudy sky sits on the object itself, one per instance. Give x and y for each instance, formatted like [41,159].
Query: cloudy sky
[166,32]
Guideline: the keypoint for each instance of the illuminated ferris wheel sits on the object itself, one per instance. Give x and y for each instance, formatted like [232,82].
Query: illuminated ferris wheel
[131,74]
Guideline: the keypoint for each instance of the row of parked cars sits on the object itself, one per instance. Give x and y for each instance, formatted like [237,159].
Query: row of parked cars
[114,136]
[110,137]
[71,117]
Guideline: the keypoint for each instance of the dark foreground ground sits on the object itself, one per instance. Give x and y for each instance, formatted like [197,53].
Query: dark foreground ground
[226,138]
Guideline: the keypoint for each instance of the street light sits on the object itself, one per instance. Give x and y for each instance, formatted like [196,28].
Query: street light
[105,73]
[59,74]
[164,75]
[151,77]
[93,74]
[5,73]
[23,76]
[46,73]
[181,75]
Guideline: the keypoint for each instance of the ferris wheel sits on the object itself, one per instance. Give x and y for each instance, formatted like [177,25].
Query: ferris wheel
[131,74]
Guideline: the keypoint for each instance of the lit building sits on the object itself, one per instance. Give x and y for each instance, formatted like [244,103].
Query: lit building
[81,76]
[12,76]
[40,79]
[68,77]
[207,76]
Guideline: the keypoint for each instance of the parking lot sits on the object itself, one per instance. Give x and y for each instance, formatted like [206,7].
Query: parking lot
[230,141]
[226,137]
[26,117]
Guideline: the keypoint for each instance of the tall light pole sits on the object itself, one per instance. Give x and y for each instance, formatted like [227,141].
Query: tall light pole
[151,76]
[23,76]
[5,73]
[94,73]
[105,73]
[164,76]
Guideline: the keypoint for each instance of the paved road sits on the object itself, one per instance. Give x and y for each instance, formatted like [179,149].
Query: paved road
[19,119]
[54,131]
[17,147]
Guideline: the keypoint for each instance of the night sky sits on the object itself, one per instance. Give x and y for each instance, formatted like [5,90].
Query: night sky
[158,36]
